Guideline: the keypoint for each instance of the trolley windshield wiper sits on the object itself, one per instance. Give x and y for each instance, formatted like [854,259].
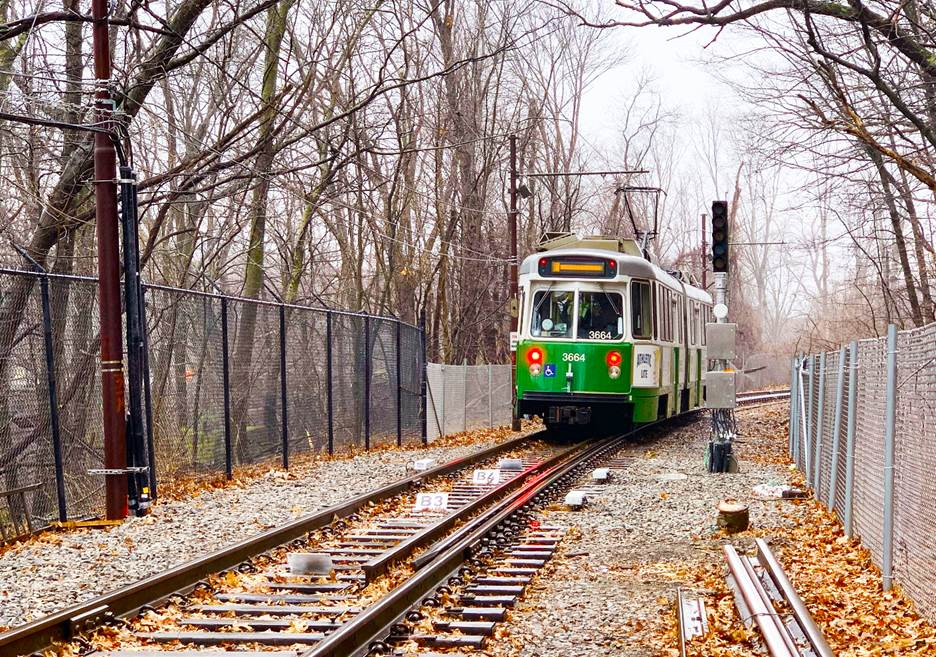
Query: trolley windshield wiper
[537,306]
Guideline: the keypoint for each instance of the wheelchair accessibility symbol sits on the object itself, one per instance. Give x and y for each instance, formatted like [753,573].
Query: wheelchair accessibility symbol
[549,369]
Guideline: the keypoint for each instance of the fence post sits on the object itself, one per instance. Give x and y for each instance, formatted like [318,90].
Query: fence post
[490,367]
[836,429]
[444,429]
[226,379]
[820,425]
[283,404]
[367,369]
[850,435]
[148,399]
[399,384]
[53,398]
[890,420]
[329,387]
[792,427]
[798,410]
[424,383]
[810,421]
[465,395]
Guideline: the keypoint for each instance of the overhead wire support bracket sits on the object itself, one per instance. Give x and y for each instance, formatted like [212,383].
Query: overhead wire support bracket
[562,174]
[644,236]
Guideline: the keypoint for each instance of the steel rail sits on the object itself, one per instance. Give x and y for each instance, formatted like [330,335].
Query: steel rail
[813,634]
[65,624]
[382,562]
[753,397]
[353,638]
[758,610]
[758,584]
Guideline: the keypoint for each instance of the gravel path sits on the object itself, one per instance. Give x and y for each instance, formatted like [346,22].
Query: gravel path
[55,570]
[612,587]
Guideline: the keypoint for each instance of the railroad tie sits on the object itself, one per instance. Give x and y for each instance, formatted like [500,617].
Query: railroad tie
[216,638]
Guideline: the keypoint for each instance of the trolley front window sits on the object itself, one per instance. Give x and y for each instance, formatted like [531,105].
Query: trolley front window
[641,310]
[553,312]
[601,316]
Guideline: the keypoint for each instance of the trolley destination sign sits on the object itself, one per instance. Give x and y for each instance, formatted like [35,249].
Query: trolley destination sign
[577,267]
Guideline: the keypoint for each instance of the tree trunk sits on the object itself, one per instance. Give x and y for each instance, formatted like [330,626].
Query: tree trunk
[253,270]
[900,242]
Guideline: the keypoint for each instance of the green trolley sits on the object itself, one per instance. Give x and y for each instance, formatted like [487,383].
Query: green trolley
[607,336]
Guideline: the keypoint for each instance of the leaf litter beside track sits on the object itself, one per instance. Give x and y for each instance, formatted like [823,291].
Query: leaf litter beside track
[834,575]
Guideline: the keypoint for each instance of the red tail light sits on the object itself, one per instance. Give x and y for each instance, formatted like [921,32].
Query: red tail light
[535,356]
[613,358]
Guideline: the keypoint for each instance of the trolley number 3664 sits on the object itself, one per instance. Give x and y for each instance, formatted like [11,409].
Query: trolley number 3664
[573,358]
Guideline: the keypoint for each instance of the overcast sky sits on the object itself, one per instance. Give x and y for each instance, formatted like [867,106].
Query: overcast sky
[683,81]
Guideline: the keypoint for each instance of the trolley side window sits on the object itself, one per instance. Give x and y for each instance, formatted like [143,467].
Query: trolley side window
[641,310]
[696,323]
[680,319]
[601,316]
[552,314]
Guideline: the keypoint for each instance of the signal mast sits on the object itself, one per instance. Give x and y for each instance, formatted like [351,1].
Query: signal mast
[720,337]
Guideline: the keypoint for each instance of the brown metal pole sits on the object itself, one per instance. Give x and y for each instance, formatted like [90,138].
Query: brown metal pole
[108,244]
[704,246]
[514,291]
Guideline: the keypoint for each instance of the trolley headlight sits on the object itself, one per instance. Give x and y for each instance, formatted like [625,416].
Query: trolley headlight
[535,369]
[614,371]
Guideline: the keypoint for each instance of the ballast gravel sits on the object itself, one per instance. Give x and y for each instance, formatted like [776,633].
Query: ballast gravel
[56,570]
[611,585]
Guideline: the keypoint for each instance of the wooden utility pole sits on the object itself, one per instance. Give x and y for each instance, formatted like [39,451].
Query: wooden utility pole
[514,292]
[108,245]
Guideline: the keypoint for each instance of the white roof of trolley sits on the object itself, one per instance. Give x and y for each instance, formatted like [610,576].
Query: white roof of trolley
[631,266]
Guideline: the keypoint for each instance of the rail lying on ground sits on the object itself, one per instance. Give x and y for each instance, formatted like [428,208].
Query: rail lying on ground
[758,583]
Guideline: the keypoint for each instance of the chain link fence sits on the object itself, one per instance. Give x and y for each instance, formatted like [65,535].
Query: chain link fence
[228,382]
[861,431]
[464,397]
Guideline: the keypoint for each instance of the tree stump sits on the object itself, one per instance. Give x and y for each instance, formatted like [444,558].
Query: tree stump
[733,516]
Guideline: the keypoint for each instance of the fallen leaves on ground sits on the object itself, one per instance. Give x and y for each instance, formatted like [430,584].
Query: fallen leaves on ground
[494,434]
[833,574]
[181,486]
[842,589]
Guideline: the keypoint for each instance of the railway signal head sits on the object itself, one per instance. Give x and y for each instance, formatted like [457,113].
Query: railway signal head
[720,236]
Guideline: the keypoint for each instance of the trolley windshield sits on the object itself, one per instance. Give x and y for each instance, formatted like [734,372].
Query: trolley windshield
[553,314]
[600,316]
[585,315]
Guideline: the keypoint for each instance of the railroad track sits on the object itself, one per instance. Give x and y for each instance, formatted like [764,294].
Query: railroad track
[128,601]
[433,579]
[255,605]
[757,397]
